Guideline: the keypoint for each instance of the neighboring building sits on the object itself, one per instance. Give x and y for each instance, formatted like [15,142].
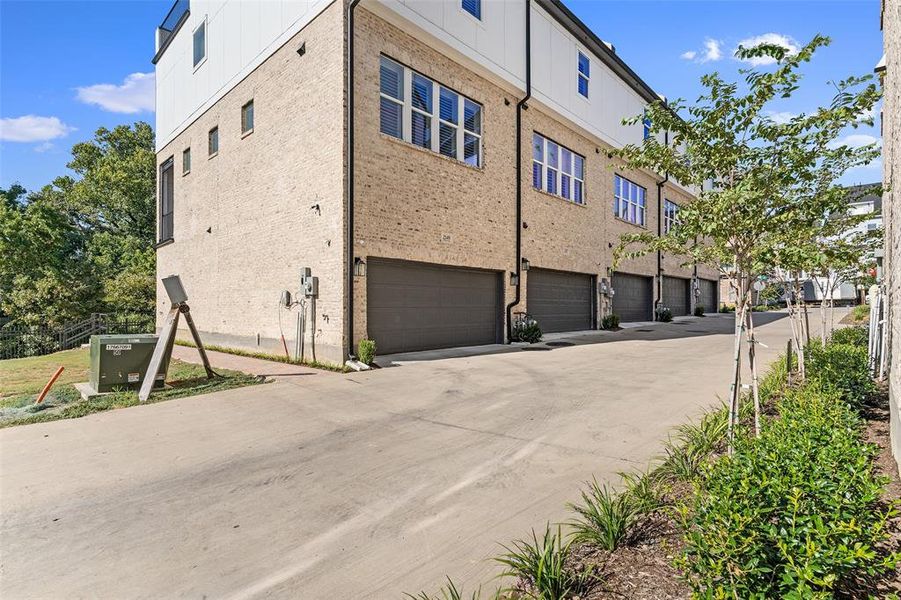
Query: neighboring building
[408,210]
[860,202]
[890,72]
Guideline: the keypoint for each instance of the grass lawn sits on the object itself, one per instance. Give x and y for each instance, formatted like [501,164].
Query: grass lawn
[23,378]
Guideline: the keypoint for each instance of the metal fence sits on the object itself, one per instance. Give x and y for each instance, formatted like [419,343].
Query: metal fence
[20,341]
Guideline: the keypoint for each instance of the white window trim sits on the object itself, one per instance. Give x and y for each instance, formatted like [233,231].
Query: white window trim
[469,15]
[620,200]
[186,152]
[206,42]
[558,177]
[579,74]
[435,116]
[669,221]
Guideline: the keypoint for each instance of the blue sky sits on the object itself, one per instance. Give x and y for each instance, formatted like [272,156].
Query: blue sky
[69,67]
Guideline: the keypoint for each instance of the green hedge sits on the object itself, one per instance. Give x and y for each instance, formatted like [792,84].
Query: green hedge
[792,514]
[856,336]
[841,367]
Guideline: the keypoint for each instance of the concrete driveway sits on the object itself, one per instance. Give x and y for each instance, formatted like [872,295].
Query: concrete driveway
[355,486]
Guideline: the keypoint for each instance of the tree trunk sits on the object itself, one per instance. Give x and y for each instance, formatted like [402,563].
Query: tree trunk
[752,362]
[735,390]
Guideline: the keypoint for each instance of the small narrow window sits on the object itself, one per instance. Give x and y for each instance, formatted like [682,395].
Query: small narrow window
[473,7]
[584,74]
[167,209]
[200,43]
[646,123]
[186,161]
[213,141]
[247,118]
[421,116]
[391,77]
[472,133]
[670,215]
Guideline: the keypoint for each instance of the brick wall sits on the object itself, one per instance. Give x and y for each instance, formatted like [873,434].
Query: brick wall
[244,222]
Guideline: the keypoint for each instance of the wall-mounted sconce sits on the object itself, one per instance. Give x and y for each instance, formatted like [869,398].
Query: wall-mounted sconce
[359,267]
[603,286]
[514,278]
[302,50]
[525,264]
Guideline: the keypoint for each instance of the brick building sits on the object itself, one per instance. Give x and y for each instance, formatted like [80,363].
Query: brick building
[408,210]
[890,72]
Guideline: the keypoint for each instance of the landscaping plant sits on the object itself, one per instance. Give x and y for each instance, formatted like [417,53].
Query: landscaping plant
[366,351]
[542,564]
[663,314]
[855,336]
[841,367]
[699,310]
[604,517]
[526,329]
[610,321]
[793,514]
[450,592]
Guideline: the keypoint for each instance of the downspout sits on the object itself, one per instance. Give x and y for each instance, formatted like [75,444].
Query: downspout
[349,221]
[520,106]
[660,230]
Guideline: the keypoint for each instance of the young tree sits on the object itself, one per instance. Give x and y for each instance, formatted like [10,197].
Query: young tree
[757,181]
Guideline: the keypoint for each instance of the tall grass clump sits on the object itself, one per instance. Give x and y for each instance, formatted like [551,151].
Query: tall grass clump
[451,592]
[603,518]
[542,564]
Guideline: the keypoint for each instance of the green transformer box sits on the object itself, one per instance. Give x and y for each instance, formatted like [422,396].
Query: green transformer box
[120,362]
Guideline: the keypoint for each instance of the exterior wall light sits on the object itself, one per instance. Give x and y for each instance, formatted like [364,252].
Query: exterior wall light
[525,264]
[359,267]
[514,278]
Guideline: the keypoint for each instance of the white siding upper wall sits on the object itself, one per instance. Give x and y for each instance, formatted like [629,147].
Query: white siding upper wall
[497,44]
[241,34]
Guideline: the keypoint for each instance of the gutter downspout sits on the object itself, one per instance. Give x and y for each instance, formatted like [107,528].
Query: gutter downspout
[520,106]
[660,231]
[349,221]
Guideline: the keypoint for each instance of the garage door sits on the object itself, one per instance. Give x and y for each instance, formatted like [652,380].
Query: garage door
[633,298]
[559,300]
[708,295]
[417,306]
[675,295]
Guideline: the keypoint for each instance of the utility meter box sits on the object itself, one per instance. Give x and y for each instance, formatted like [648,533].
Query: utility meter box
[120,362]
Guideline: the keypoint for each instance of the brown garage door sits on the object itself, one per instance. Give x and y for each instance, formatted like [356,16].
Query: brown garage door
[708,295]
[417,306]
[675,295]
[633,297]
[560,300]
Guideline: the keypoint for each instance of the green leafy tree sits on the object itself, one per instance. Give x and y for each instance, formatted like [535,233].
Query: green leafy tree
[758,182]
[84,243]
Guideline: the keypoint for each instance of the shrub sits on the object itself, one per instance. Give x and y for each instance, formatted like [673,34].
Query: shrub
[526,329]
[699,310]
[610,321]
[760,308]
[664,314]
[604,517]
[543,565]
[682,462]
[855,336]
[794,513]
[644,489]
[842,367]
[861,312]
[366,351]
[727,308]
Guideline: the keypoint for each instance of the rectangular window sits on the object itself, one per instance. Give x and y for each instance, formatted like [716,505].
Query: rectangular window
[247,118]
[213,141]
[557,170]
[186,161]
[167,190]
[584,74]
[670,215]
[423,112]
[629,200]
[200,43]
[473,7]
[646,124]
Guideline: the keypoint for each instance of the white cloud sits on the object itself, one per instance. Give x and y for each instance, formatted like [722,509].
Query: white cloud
[777,39]
[857,140]
[780,117]
[866,114]
[712,52]
[44,147]
[32,128]
[136,94]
